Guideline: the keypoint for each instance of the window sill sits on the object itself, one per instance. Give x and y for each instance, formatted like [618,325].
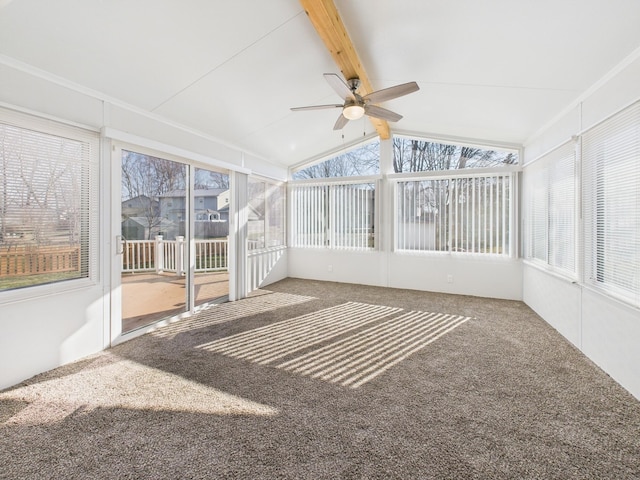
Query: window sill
[39,291]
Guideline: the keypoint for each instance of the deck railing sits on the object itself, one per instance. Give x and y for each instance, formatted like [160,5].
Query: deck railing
[161,255]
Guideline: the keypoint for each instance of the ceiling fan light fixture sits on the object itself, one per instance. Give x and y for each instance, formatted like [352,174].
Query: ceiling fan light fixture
[353,112]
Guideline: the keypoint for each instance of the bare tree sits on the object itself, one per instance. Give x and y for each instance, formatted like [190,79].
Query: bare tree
[144,179]
[411,155]
[207,179]
[364,160]
[150,176]
[40,188]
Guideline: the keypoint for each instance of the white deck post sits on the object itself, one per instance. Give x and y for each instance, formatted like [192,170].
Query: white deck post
[180,255]
[159,254]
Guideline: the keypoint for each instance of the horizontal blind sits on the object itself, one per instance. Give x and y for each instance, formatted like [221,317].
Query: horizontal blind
[562,209]
[48,201]
[551,209]
[611,199]
[536,186]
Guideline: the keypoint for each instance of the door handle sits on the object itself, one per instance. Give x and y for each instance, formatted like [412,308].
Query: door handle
[120,243]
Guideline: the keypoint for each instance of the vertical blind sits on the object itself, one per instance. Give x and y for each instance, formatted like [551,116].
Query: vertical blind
[455,214]
[334,215]
[551,209]
[48,201]
[611,199]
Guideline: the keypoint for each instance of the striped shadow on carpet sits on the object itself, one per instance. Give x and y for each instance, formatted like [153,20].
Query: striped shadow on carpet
[273,342]
[364,341]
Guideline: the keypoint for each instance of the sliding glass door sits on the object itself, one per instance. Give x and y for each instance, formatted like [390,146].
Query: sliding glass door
[171,239]
[152,239]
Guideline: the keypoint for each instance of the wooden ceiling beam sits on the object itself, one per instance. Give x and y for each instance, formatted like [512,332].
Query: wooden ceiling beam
[326,20]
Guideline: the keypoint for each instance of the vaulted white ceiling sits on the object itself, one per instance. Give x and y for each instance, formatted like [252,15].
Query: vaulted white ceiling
[496,70]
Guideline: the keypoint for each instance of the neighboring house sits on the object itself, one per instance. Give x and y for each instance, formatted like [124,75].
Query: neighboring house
[206,204]
[211,215]
[140,206]
[223,199]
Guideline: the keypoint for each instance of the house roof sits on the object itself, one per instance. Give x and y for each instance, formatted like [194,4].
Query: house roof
[496,70]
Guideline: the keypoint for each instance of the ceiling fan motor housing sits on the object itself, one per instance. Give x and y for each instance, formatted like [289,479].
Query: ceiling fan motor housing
[353,83]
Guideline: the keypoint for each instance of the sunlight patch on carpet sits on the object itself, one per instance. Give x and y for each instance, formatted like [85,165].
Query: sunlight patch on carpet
[124,385]
[225,312]
[272,342]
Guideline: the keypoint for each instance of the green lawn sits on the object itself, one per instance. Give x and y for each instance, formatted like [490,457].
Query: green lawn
[9,283]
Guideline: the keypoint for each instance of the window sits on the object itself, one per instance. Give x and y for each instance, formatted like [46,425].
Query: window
[462,214]
[420,155]
[48,202]
[361,160]
[611,199]
[338,214]
[551,202]
[266,220]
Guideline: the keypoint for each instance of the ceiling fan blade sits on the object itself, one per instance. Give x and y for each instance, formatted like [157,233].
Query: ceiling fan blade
[341,122]
[339,86]
[391,92]
[382,113]
[316,107]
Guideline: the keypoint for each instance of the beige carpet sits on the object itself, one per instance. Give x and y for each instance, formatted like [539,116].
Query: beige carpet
[322,380]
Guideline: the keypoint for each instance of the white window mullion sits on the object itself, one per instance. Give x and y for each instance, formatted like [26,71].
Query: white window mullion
[474,234]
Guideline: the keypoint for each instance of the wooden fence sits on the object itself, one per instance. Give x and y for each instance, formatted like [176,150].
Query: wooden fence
[32,260]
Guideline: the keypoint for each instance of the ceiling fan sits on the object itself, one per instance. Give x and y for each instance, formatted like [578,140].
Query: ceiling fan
[355,105]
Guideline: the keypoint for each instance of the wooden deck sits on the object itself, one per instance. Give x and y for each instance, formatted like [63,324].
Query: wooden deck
[148,297]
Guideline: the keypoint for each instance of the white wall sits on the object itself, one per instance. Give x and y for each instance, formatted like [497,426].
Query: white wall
[366,268]
[461,274]
[469,275]
[43,332]
[607,331]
